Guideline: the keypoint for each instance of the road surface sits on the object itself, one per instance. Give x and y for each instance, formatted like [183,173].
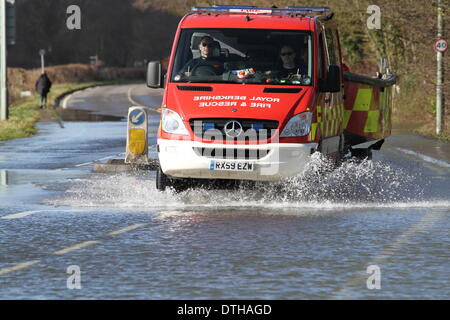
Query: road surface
[375,230]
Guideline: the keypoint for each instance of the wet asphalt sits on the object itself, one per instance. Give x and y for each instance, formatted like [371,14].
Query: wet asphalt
[315,237]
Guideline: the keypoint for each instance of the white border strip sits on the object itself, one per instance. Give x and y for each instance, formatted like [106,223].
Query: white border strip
[20,214]
[426,158]
[75,247]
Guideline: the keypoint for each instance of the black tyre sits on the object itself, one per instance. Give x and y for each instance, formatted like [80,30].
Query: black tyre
[162,181]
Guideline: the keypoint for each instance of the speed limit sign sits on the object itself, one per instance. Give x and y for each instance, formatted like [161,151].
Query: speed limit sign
[441,45]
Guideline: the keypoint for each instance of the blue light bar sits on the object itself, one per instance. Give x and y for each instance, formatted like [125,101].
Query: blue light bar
[309,9]
[245,9]
[233,7]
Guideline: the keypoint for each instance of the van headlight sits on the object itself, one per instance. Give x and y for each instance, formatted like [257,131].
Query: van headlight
[171,122]
[298,126]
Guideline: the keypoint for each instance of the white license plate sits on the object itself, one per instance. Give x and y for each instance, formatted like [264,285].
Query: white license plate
[231,166]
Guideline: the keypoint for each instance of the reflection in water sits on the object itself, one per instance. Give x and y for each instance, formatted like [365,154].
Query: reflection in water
[84,115]
[3,177]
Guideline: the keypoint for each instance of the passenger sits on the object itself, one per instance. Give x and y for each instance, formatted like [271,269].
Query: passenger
[209,62]
[289,65]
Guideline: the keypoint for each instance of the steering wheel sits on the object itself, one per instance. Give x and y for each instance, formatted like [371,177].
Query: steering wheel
[204,70]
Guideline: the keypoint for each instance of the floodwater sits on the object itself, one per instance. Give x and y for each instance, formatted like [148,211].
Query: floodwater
[312,237]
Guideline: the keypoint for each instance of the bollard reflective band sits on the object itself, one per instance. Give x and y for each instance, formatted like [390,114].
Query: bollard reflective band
[137,141]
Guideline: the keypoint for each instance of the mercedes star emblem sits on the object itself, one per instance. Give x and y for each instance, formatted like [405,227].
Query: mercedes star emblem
[233,129]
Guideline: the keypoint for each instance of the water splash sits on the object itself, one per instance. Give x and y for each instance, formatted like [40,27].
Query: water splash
[352,185]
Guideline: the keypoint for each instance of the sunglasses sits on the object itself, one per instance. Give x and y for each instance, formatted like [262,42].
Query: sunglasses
[283,54]
[207,44]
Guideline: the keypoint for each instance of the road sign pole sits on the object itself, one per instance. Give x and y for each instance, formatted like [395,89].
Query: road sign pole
[3,88]
[439,100]
[42,54]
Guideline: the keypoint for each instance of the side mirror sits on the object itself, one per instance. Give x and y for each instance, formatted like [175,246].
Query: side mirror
[154,75]
[333,82]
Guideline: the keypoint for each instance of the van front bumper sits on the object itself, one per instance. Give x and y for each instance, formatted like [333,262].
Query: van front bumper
[275,161]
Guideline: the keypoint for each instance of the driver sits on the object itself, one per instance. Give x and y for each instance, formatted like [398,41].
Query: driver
[212,65]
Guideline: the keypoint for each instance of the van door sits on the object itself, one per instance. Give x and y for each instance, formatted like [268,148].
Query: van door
[335,106]
[325,98]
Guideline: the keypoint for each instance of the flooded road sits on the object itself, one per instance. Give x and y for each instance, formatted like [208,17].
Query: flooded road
[314,237]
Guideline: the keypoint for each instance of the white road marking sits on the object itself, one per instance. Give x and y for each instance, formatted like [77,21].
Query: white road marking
[75,247]
[426,158]
[18,266]
[27,213]
[20,214]
[94,161]
[64,102]
[108,157]
[130,228]
[84,164]
[69,249]
[66,99]
[134,102]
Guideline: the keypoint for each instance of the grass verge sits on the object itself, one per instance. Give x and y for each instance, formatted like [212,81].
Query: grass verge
[24,114]
[415,108]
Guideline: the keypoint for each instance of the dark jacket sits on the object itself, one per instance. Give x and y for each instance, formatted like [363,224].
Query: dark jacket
[284,73]
[214,64]
[43,84]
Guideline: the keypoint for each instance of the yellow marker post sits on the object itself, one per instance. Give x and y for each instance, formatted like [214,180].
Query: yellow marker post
[137,136]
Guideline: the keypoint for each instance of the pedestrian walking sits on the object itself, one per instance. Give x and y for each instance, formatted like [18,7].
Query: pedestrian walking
[43,85]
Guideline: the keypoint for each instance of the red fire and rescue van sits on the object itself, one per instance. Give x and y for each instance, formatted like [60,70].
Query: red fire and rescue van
[251,93]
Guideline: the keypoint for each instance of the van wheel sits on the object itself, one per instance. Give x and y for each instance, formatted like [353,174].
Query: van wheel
[162,181]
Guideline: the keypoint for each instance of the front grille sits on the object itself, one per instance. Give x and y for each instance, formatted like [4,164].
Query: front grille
[252,129]
[231,153]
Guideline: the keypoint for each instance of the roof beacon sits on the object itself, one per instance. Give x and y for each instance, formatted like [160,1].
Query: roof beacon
[224,9]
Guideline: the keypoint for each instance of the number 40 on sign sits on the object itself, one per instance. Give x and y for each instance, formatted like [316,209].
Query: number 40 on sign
[441,45]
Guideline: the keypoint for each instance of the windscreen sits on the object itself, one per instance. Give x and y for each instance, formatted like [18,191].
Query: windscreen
[256,56]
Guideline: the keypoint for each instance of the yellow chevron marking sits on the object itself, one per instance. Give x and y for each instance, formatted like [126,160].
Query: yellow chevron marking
[363,99]
[372,121]
[313,131]
[347,115]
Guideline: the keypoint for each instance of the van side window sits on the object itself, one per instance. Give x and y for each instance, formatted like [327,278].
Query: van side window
[331,46]
[321,58]
[338,47]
